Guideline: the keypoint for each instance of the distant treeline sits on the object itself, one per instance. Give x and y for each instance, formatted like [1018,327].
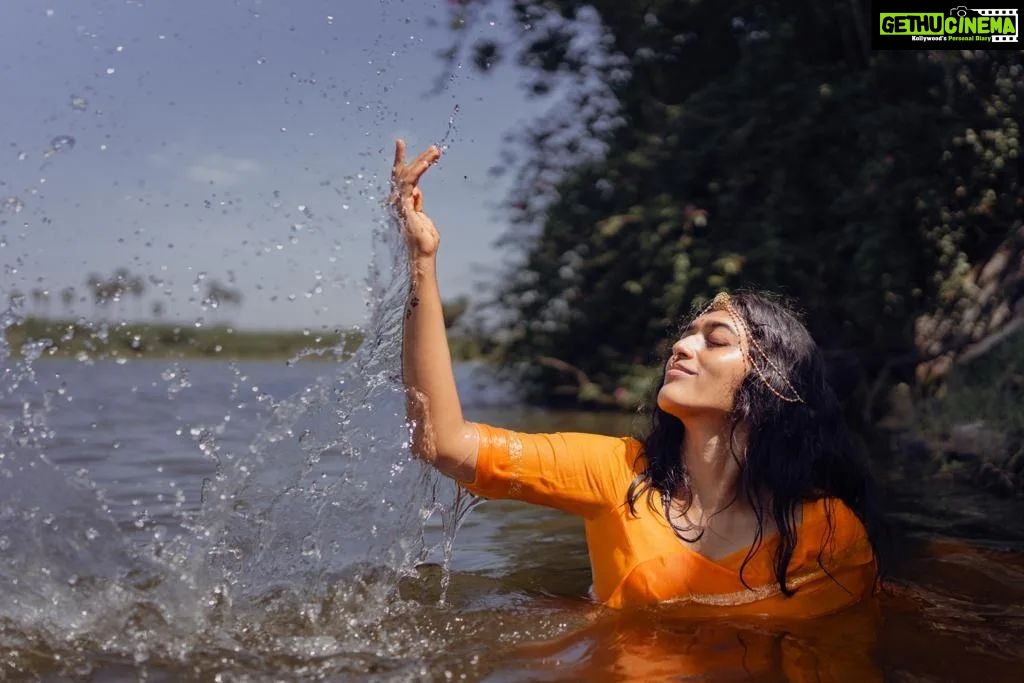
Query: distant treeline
[110,296]
[163,340]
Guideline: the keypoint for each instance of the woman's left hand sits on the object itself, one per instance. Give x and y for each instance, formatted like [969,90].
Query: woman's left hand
[407,201]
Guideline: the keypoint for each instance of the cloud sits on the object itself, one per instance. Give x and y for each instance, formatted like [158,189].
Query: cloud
[220,169]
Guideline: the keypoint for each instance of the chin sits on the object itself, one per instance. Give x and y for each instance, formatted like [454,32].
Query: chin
[669,402]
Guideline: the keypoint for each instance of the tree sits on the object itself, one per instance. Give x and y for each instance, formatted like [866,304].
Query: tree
[453,310]
[95,284]
[219,295]
[112,291]
[136,285]
[703,146]
[67,298]
[40,301]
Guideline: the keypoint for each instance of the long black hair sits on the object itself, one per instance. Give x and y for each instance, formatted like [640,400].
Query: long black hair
[795,450]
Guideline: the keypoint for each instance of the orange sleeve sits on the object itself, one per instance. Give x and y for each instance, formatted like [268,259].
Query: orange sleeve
[583,474]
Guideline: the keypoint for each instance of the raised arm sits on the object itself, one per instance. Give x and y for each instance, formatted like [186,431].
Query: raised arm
[441,435]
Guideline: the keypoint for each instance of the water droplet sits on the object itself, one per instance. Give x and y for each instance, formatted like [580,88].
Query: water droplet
[111,70]
[62,143]
[5,543]
[92,534]
[22,156]
[13,205]
[177,380]
[261,60]
[309,547]
[80,103]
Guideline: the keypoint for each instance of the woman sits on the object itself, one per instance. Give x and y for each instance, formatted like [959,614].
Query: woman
[745,498]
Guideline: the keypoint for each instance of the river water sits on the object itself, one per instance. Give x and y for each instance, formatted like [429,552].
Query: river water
[243,521]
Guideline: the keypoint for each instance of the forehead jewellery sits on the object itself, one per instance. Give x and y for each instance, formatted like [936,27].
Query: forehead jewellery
[724,302]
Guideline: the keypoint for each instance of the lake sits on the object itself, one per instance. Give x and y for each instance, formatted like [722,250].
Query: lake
[244,521]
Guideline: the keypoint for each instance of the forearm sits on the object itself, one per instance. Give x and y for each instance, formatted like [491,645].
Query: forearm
[441,434]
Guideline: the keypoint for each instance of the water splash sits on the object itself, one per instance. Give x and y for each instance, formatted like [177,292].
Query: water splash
[444,142]
[295,551]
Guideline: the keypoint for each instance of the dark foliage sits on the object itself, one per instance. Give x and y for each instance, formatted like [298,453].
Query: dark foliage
[707,145]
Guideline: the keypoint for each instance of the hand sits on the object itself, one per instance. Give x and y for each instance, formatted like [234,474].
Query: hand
[407,201]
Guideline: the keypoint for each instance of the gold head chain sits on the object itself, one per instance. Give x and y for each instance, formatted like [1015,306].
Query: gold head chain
[723,301]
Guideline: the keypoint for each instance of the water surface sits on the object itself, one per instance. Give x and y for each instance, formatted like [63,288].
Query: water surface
[245,520]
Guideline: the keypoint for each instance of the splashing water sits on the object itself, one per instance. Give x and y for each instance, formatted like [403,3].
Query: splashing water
[291,558]
[445,141]
[61,143]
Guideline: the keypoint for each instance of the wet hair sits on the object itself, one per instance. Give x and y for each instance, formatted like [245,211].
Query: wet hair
[795,452]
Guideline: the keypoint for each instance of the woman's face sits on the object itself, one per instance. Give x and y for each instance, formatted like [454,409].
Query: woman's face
[708,363]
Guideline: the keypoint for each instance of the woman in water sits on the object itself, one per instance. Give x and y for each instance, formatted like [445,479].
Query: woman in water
[744,498]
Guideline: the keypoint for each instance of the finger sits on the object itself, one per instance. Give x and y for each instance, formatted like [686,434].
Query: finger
[399,153]
[424,161]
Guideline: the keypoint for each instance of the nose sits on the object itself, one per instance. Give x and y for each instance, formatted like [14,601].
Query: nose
[685,346]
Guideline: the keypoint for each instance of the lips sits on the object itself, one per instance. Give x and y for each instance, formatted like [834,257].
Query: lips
[681,370]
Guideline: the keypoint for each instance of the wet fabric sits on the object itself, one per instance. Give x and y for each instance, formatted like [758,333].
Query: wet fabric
[638,560]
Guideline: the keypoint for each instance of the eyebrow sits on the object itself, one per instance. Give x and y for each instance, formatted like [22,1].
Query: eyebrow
[708,327]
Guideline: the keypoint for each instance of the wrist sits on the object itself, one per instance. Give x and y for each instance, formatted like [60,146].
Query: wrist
[422,265]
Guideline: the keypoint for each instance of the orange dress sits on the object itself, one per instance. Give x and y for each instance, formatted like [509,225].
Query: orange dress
[638,560]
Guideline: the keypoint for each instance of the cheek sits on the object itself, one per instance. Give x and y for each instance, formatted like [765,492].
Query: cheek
[728,375]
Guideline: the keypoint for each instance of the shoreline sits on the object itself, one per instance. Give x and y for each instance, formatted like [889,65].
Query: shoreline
[99,340]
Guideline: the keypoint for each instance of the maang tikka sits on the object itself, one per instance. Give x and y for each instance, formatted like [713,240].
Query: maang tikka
[723,302]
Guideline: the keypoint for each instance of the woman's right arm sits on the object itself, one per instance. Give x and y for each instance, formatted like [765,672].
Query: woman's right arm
[441,435]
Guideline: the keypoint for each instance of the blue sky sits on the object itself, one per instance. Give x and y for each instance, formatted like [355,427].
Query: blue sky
[245,140]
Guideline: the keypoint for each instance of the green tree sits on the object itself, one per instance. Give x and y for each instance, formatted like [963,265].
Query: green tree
[702,146]
[67,299]
[453,310]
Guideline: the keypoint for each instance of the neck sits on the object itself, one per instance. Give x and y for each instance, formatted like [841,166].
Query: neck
[714,473]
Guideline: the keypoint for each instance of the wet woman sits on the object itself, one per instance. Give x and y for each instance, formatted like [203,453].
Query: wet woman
[744,498]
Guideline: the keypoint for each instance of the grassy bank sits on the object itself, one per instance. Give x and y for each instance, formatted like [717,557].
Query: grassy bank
[67,338]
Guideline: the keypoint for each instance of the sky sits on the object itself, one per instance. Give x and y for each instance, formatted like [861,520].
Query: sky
[244,141]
